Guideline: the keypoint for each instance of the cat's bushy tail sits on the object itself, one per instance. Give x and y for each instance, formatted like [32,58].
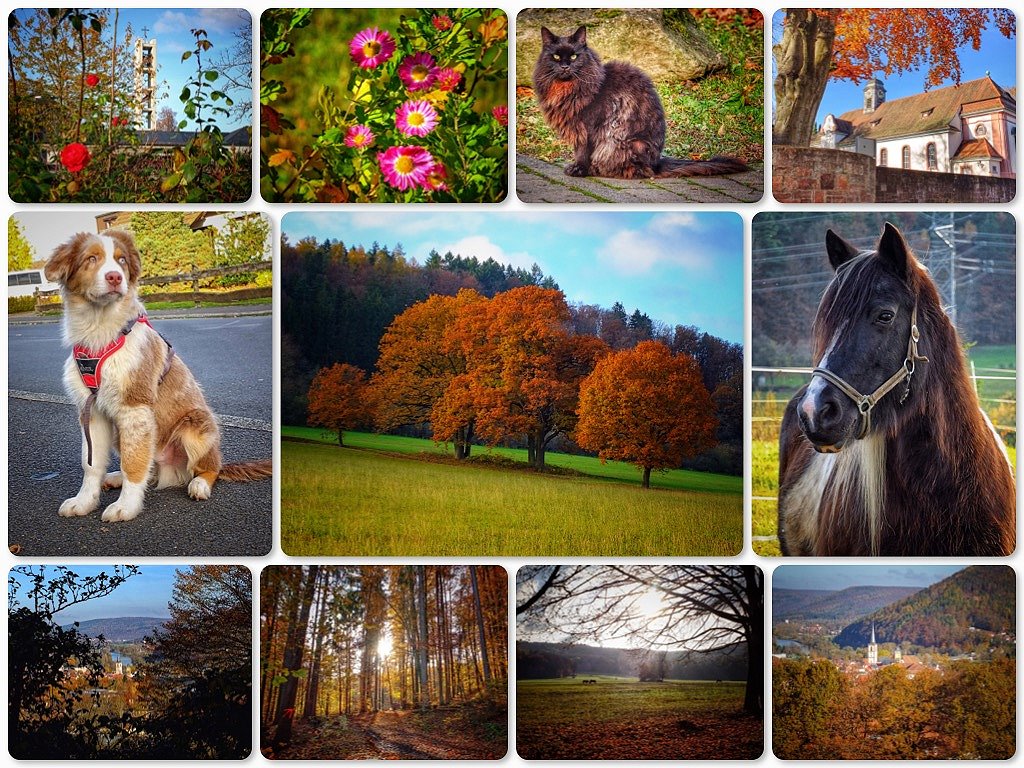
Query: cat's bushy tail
[672,167]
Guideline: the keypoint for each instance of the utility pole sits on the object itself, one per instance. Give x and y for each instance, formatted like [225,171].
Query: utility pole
[941,260]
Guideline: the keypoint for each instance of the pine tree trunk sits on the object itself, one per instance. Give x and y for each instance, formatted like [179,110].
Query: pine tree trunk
[485,662]
[421,649]
[295,645]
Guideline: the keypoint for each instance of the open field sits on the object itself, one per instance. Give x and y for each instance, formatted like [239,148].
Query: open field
[620,718]
[354,501]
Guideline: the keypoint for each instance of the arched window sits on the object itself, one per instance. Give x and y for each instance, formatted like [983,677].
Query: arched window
[906,158]
[980,130]
[933,160]
[883,157]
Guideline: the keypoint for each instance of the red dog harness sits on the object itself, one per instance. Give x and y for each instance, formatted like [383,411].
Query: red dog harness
[90,366]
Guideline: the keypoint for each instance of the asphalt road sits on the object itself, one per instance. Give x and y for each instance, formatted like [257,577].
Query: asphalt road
[232,359]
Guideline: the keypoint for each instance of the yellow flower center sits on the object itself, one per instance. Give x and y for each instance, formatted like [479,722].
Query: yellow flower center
[415,118]
[404,165]
[371,48]
[359,139]
[419,73]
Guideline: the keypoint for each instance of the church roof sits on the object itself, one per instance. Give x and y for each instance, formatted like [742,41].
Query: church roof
[929,111]
[976,149]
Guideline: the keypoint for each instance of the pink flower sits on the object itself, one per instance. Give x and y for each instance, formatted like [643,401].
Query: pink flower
[501,114]
[358,136]
[92,80]
[448,79]
[75,157]
[418,71]
[371,48]
[442,23]
[415,118]
[436,178]
[405,167]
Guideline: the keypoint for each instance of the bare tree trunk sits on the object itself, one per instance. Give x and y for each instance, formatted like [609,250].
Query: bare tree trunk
[421,649]
[803,60]
[480,626]
[313,688]
[295,647]
[753,699]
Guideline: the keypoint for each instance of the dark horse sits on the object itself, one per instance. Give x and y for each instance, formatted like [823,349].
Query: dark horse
[886,451]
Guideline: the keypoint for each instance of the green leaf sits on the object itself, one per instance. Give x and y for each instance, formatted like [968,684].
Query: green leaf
[186,55]
[170,182]
[212,75]
[182,124]
[186,94]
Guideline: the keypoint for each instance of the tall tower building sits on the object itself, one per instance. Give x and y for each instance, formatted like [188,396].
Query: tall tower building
[145,84]
[872,648]
[874,95]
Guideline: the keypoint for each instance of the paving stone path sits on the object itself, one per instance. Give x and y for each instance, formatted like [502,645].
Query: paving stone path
[540,182]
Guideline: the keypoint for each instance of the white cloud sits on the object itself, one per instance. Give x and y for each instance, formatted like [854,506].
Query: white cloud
[482,247]
[670,222]
[633,252]
[171,22]
[213,20]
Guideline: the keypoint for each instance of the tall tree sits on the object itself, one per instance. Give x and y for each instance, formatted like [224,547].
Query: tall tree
[646,406]
[20,253]
[170,244]
[421,648]
[294,650]
[478,610]
[856,43]
[337,399]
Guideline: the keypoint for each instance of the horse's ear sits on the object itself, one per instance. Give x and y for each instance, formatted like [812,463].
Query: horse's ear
[894,249]
[839,251]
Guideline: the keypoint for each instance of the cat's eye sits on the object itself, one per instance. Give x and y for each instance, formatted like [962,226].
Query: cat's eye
[573,57]
[556,57]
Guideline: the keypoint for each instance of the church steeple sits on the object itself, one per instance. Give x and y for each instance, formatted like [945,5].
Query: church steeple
[872,648]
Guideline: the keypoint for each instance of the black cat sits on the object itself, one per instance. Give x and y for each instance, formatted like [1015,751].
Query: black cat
[609,113]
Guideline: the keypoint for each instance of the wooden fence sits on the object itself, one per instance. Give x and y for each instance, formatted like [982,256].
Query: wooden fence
[49,299]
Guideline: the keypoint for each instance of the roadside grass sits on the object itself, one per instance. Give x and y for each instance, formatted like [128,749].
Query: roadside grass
[516,458]
[192,304]
[722,114]
[355,502]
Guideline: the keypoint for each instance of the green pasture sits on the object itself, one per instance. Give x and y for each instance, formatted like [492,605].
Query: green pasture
[566,701]
[767,415]
[352,501]
[677,479]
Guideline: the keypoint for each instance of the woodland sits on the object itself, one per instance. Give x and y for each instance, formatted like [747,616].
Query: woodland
[609,688]
[414,350]
[188,696]
[384,662]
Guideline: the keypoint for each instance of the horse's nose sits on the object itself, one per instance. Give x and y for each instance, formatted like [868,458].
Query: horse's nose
[820,411]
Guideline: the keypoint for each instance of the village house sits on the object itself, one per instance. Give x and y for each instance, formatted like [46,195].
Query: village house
[970,128]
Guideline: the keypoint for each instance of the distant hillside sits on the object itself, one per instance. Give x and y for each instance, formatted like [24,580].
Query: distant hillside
[834,605]
[941,616]
[547,660]
[122,629]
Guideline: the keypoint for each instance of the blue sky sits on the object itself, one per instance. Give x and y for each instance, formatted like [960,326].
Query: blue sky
[997,55]
[843,576]
[145,594]
[171,29]
[680,267]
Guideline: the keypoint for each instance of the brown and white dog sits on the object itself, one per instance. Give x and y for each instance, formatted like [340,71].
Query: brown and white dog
[133,393]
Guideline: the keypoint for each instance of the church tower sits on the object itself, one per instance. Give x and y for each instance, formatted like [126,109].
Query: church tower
[872,649]
[898,654]
[145,83]
[874,95]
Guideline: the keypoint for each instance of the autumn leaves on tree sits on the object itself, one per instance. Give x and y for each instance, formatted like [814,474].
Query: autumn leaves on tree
[508,369]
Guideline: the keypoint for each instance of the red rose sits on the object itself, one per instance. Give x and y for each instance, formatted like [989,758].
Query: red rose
[92,80]
[75,157]
[501,114]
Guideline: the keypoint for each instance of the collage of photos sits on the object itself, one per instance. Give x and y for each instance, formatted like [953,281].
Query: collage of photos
[460,384]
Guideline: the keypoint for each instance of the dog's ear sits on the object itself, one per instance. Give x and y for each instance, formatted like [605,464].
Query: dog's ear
[126,244]
[64,258]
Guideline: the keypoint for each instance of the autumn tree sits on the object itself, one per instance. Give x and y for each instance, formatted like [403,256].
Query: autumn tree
[20,253]
[417,364]
[337,399]
[856,43]
[166,120]
[171,246]
[645,406]
[806,695]
[197,679]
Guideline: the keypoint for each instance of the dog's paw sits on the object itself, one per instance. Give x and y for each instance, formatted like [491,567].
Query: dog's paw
[575,169]
[199,489]
[112,480]
[119,512]
[77,506]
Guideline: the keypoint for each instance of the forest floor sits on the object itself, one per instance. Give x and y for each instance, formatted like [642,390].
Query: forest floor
[467,732]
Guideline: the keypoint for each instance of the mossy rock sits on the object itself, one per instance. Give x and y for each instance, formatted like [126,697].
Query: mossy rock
[667,45]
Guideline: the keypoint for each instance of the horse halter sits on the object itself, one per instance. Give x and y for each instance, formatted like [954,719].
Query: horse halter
[865,403]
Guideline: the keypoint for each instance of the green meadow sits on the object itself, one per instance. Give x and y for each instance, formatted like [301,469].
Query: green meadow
[389,496]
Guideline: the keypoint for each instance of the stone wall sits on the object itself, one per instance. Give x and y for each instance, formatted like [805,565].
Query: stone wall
[895,185]
[812,175]
[806,175]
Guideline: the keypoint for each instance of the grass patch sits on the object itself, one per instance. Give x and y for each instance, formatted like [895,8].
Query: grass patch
[722,114]
[515,458]
[351,501]
[192,304]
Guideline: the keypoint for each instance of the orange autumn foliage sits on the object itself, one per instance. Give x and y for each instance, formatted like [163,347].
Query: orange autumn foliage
[646,406]
[337,398]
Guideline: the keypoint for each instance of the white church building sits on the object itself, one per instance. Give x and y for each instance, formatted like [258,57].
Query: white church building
[967,128]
